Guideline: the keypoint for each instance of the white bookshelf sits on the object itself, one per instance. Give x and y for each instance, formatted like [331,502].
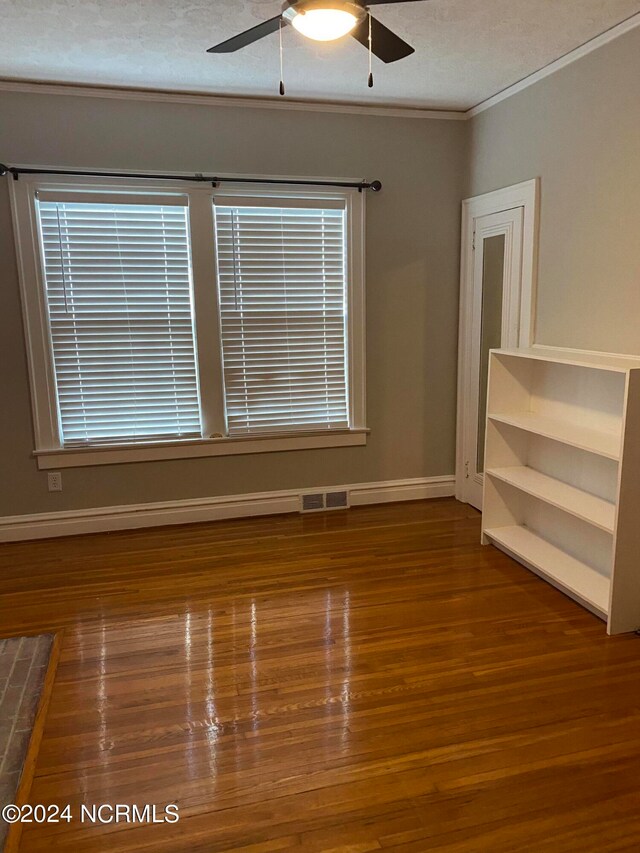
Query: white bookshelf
[562,473]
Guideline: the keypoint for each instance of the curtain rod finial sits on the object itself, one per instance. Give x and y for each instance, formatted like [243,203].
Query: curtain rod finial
[3,169]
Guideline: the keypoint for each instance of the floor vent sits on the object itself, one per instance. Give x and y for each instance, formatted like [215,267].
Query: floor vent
[336,500]
[312,503]
[320,501]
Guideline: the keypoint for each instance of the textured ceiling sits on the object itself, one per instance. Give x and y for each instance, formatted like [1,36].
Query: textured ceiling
[466,50]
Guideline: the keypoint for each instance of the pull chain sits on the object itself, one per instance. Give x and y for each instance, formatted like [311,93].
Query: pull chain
[281,58]
[370,81]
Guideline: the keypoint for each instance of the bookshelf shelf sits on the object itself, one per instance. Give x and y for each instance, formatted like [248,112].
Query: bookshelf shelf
[590,508]
[594,441]
[571,575]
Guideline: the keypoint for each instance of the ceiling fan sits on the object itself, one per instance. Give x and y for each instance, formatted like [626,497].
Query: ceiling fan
[327,20]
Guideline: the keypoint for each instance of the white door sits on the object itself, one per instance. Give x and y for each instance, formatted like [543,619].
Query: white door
[491,306]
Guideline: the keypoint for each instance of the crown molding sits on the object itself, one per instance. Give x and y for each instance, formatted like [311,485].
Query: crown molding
[42,88]
[165,96]
[588,47]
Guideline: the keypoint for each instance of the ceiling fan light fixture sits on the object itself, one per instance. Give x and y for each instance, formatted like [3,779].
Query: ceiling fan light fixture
[324,20]
[335,19]
[324,24]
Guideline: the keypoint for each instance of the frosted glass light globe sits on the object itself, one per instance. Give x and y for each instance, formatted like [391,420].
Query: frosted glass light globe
[324,24]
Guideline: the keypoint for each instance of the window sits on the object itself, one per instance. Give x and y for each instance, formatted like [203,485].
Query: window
[118,289]
[281,273]
[167,321]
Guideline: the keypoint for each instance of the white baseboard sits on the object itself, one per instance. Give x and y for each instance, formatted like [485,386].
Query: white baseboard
[390,491]
[14,528]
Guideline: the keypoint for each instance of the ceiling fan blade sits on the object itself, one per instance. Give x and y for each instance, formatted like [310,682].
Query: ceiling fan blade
[248,36]
[380,2]
[385,44]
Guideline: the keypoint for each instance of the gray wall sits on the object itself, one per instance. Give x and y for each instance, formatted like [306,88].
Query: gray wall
[412,282]
[579,130]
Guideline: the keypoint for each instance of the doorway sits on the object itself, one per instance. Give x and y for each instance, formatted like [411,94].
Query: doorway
[499,232]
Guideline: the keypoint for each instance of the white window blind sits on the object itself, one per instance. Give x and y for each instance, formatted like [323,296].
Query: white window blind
[118,290]
[281,275]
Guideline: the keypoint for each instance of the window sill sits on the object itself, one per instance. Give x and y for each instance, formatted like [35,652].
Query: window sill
[76,457]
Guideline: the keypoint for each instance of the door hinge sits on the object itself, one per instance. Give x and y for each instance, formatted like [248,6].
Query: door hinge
[473,243]
[466,470]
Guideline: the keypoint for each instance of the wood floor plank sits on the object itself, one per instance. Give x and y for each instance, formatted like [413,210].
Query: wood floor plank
[358,681]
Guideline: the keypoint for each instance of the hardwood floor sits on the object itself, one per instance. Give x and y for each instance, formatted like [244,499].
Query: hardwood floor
[355,681]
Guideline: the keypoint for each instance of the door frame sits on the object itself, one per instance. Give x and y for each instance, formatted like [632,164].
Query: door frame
[510,225]
[521,290]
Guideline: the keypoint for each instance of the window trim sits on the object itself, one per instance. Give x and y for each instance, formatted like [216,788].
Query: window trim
[49,451]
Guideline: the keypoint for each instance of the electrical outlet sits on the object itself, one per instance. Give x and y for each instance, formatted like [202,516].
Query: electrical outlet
[55,481]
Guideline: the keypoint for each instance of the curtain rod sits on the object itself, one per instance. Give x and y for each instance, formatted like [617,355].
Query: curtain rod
[16,171]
